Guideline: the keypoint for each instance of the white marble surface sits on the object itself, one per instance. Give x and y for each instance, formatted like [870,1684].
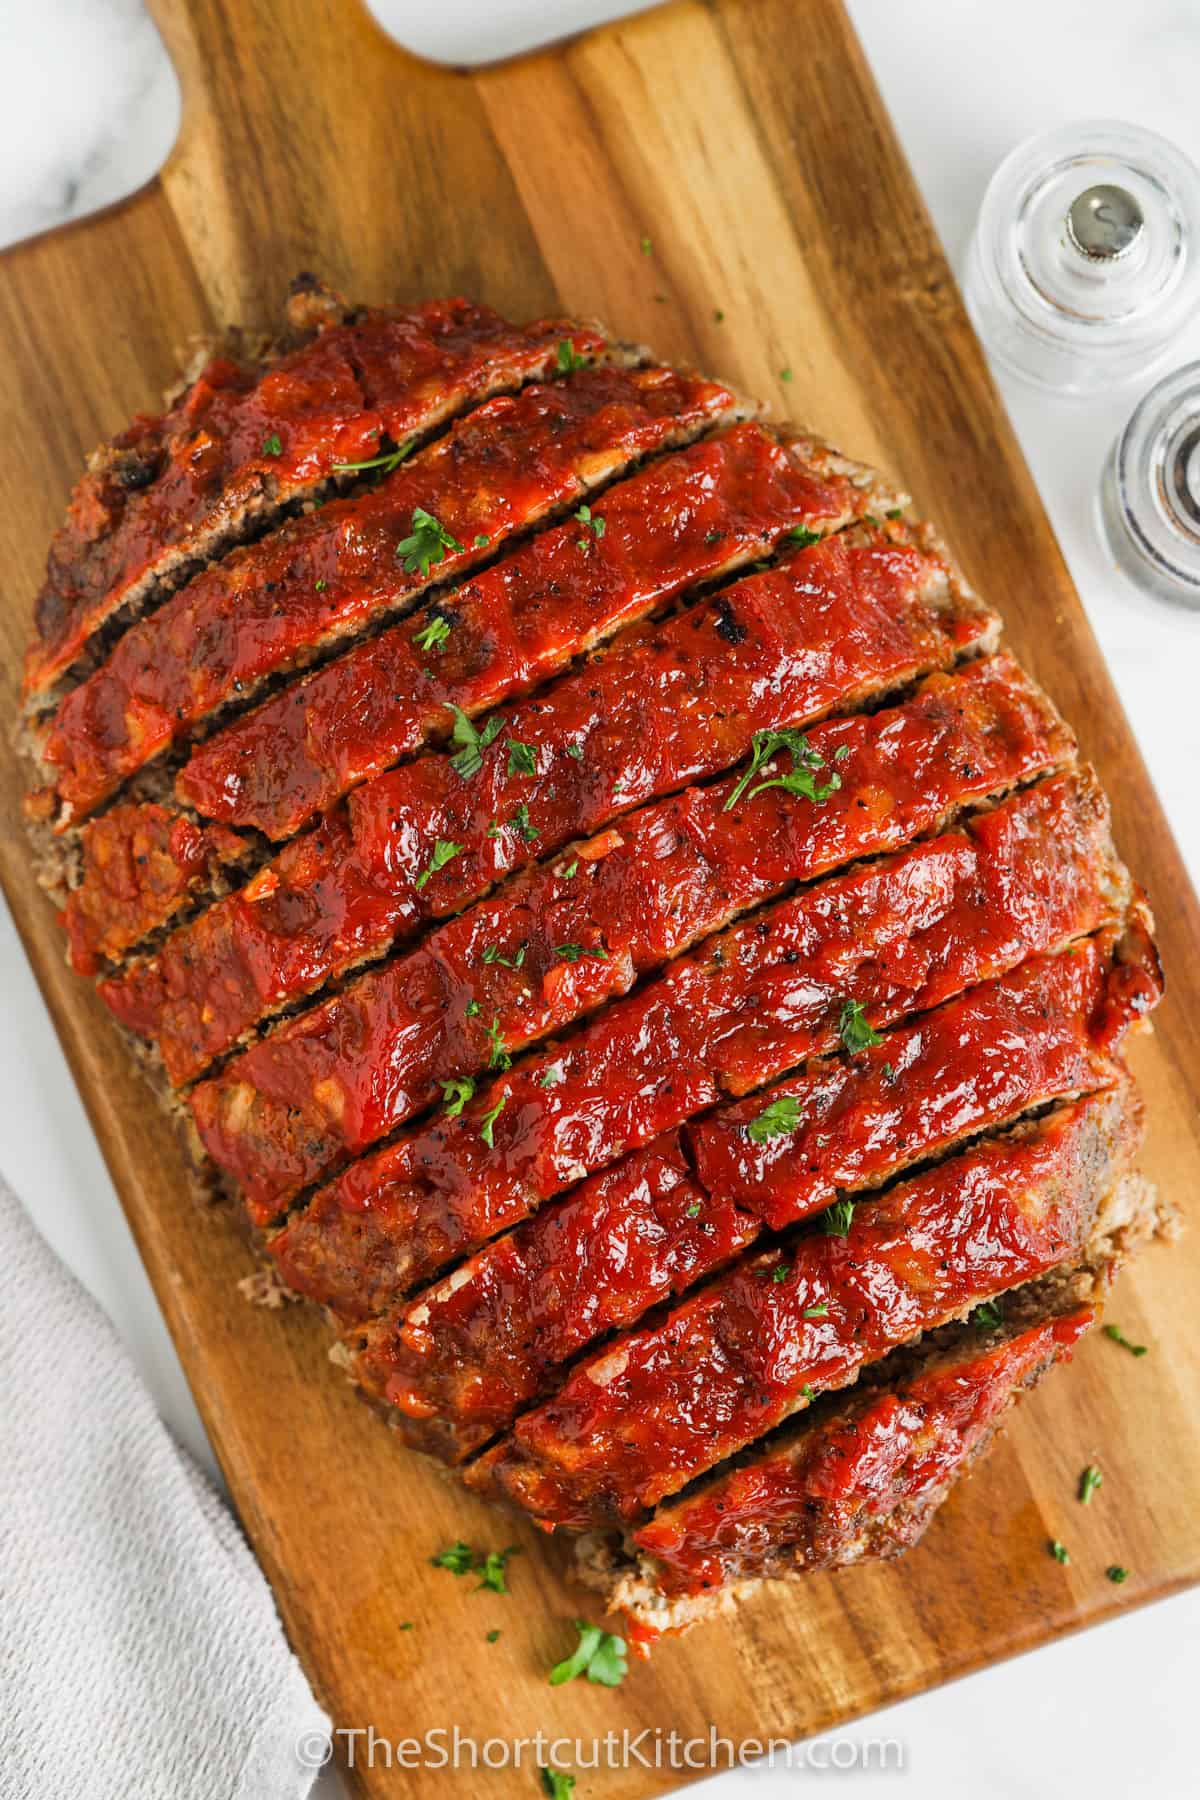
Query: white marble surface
[89,106]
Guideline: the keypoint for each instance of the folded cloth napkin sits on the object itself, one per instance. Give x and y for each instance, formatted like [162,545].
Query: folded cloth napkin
[141,1657]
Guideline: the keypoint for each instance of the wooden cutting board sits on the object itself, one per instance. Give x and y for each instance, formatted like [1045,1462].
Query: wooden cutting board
[745,140]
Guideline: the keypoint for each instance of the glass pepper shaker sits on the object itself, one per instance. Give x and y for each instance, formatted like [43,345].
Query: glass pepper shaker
[1149,503]
[1085,262]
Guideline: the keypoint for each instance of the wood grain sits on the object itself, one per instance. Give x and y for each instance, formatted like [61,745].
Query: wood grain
[746,140]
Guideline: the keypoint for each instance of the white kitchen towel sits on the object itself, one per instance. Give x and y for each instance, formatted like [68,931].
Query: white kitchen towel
[141,1657]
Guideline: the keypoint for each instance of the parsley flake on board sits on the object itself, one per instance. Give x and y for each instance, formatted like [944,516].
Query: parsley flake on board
[805,762]
[1118,1337]
[556,1785]
[522,758]
[433,635]
[1089,1481]
[782,1116]
[599,1655]
[456,1092]
[854,1030]
[460,1559]
[1117,1573]
[426,545]
[1059,1551]
[471,741]
[385,463]
[443,852]
[487,1125]
[457,1558]
[491,1568]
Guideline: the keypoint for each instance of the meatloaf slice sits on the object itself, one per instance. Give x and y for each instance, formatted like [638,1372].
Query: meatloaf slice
[277,604]
[245,437]
[837,622]
[688,519]
[660,1405]
[465,1355]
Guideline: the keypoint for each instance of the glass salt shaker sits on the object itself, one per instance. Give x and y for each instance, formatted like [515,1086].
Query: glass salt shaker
[1149,502]
[1085,262]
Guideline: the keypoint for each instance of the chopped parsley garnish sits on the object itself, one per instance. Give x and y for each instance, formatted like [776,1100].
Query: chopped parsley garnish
[487,1125]
[433,635]
[481,540]
[457,1558]
[522,758]
[841,753]
[471,742]
[1059,1551]
[408,1625]
[443,852]
[894,512]
[803,536]
[521,820]
[575,750]
[782,1116]
[568,358]
[1116,1573]
[805,762]
[571,870]
[556,1785]
[272,445]
[836,1219]
[492,1636]
[385,463]
[493,954]
[574,953]
[472,1008]
[987,1316]
[1118,1337]
[855,1032]
[320,586]
[1089,1481]
[595,526]
[456,1092]
[785,374]
[499,1057]
[551,1076]
[780,1272]
[694,1210]
[460,1559]
[427,543]
[491,1567]
[599,1655]
[808,1392]
[888,1072]
[819,1311]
